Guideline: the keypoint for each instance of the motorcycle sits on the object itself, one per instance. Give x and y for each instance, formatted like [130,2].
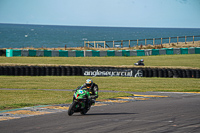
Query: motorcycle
[81,102]
[139,64]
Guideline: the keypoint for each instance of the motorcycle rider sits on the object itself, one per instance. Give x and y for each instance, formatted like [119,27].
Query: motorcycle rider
[140,63]
[93,89]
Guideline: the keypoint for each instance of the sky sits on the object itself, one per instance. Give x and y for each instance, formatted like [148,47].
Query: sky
[109,13]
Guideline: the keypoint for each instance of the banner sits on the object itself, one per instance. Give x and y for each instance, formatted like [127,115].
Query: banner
[112,72]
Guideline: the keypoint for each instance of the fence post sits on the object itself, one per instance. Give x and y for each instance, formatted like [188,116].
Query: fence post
[161,41]
[104,44]
[153,41]
[94,44]
[185,39]
[113,44]
[137,42]
[177,39]
[145,42]
[121,43]
[97,45]
[84,43]
[193,39]
[169,40]
[129,43]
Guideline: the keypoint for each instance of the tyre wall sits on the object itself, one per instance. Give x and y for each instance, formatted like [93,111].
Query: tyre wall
[98,71]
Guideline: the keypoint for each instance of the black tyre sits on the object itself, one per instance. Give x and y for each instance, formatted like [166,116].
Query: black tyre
[72,108]
[84,111]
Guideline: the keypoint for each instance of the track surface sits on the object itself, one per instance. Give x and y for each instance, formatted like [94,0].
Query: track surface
[179,113]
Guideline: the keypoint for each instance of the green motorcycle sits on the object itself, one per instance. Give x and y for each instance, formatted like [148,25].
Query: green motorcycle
[81,102]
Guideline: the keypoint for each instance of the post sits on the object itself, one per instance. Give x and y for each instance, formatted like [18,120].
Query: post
[177,39]
[84,43]
[185,39]
[121,43]
[169,40]
[153,41]
[145,42]
[97,45]
[193,39]
[113,44]
[88,45]
[129,43]
[104,44]
[137,42]
[94,44]
[161,41]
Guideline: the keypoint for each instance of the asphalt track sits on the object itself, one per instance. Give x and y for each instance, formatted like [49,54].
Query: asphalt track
[178,113]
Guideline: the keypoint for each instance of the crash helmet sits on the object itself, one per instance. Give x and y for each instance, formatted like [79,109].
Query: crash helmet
[89,83]
[142,60]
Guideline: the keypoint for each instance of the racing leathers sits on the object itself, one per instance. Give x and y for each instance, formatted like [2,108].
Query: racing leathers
[93,93]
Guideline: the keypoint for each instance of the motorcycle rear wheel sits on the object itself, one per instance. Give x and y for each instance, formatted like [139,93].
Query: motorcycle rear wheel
[71,108]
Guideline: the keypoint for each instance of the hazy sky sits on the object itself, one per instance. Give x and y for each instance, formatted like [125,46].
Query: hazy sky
[115,13]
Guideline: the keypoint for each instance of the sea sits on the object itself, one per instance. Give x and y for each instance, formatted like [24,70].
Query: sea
[57,36]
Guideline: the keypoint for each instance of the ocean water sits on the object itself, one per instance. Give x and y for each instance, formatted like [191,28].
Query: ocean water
[37,36]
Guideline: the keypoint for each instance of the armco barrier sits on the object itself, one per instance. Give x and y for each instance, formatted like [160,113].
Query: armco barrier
[32,52]
[97,53]
[184,50]
[102,53]
[169,51]
[191,50]
[197,50]
[63,53]
[111,53]
[140,53]
[88,53]
[176,50]
[155,51]
[133,52]
[98,71]
[24,52]
[125,52]
[39,53]
[79,53]
[118,53]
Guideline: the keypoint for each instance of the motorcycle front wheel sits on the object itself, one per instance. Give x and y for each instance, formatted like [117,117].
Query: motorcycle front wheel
[71,109]
[84,111]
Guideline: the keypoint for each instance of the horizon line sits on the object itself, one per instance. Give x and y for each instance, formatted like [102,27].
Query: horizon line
[98,26]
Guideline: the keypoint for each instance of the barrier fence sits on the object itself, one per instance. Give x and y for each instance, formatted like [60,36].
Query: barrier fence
[136,42]
[98,71]
[101,53]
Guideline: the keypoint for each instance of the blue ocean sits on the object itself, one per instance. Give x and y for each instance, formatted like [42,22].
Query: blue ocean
[51,36]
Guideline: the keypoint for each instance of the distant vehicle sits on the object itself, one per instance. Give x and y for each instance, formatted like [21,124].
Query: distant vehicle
[140,63]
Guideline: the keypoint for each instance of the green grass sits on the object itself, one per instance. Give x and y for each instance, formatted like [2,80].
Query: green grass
[33,96]
[189,60]
[24,98]
[105,83]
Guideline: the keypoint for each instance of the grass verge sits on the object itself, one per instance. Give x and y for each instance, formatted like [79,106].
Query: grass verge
[24,98]
[105,83]
[180,61]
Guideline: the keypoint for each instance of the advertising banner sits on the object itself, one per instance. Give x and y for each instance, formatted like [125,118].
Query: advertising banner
[124,72]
